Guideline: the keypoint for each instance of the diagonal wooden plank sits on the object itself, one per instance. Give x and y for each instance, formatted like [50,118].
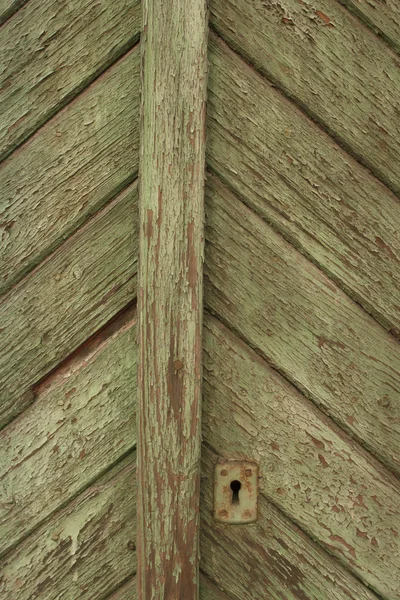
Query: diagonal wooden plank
[126,592]
[73,293]
[319,477]
[84,551]
[170,296]
[382,17]
[296,317]
[271,559]
[66,45]
[82,421]
[298,179]
[77,162]
[209,591]
[333,66]
[9,7]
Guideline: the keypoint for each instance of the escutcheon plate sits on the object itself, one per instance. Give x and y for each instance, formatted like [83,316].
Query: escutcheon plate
[235,492]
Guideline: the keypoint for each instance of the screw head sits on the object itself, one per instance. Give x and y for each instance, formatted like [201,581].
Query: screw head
[224,473]
[223,513]
[248,472]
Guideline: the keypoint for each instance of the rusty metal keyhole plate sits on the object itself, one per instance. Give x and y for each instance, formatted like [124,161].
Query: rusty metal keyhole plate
[235,492]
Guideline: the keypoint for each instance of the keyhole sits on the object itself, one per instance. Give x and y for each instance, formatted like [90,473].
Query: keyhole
[235,487]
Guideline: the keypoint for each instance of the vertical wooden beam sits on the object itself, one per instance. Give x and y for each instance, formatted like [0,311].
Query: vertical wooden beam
[174,66]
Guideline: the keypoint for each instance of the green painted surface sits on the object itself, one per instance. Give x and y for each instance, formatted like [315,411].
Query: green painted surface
[65,46]
[273,558]
[382,16]
[324,343]
[298,179]
[70,169]
[66,299]
[85,551]
[333,66]
[170,296]
[82,421]
[310,469]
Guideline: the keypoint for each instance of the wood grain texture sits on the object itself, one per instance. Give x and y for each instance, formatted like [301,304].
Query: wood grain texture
[66,45]
[299,180]
[302,323]
[170,296]
[333,66]
[73,293]
[382,16]
[79,160]
[9,7]
[83,421]
[319,477]
[271,559]
[126,592]
[85,551]
[209,591]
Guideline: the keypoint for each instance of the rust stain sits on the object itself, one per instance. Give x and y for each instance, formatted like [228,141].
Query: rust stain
[361,534]
[324,18]
[374,541]
[18,122]
[340,540]
[323,461]
[149,225]
[316,442]
[192,274]
[323,341]
[379,242]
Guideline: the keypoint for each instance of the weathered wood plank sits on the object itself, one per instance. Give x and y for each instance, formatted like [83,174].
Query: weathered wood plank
[170,298]
[83,421]
[80,287]
[66,45]
[9,7]
[69,169]
[304,184]
[85,551]
[323,57]
[383,17]
[209,591]
[271,559]
[317,475]
[127,592]
[297,318]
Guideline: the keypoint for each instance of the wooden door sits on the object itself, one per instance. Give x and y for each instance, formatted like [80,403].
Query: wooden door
[301,276]
[301,272]
[69,144]
[261,325]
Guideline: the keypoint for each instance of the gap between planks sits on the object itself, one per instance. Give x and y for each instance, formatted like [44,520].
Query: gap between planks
[43,256]
[8,12]
[300,248]
[301,390]
[307,112]
[361,12]
[130,45]
[116,324]
[310,539]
